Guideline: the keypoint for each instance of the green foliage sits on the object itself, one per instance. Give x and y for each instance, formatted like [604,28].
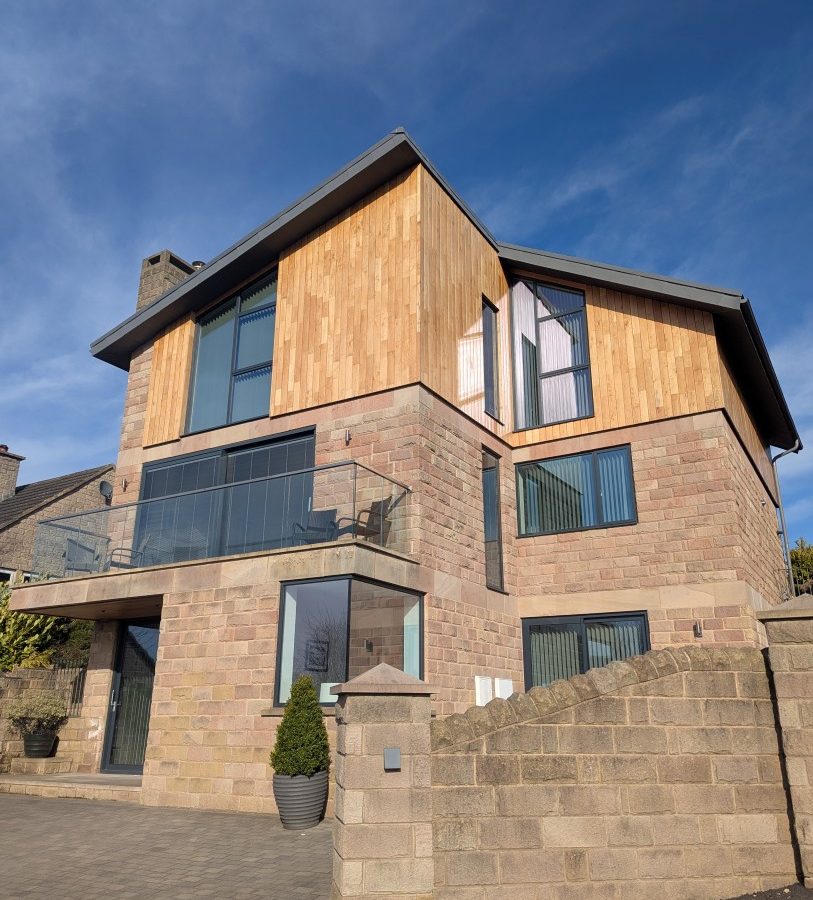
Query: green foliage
[23,635]
[801,562]
[40,712]
[75,649]
[301,747]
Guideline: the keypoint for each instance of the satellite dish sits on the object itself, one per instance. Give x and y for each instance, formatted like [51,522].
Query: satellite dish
[106,490]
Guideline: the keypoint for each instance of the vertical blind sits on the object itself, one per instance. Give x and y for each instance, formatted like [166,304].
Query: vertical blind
[491,521]
[568,646]
[573,492]
[552,377]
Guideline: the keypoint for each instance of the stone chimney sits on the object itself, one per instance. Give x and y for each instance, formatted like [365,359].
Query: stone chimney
[159,273]
[9,469]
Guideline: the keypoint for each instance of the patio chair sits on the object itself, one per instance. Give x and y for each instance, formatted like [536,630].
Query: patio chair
[320,528]
[373,524]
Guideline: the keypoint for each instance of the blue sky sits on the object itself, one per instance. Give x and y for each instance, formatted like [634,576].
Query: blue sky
[674,137]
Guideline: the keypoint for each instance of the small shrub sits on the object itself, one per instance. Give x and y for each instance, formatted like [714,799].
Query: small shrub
[34,713]
[301,747]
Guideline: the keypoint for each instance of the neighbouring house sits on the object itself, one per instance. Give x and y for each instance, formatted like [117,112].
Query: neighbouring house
[23,506]
[371,432]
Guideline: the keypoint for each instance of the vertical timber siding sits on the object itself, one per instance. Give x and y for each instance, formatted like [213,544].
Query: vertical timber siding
[347,310]
[458,267]
[169,383]
[649,360]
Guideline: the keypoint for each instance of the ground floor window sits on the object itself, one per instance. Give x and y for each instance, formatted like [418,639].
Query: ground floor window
[335,629]
[565,646]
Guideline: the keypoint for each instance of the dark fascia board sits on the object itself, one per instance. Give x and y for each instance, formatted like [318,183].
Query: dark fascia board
[735,323]
[382,162]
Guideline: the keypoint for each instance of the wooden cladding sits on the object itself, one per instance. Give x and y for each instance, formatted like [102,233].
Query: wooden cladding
[458,268]
[649,360]
[347,304]
[169,383]
[744,426]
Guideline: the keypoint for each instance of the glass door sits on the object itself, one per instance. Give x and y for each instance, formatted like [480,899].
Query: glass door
[129,713]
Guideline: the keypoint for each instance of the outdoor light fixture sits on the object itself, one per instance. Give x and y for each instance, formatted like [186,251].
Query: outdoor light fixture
[698,630]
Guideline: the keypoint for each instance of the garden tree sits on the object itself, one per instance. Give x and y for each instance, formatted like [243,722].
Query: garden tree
[801,562]
[24,636]
[301,747]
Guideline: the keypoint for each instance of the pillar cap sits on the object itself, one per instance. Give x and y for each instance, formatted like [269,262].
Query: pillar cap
[385,679]
[798,608]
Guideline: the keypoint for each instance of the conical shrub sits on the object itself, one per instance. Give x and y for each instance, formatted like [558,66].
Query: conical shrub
[301,747]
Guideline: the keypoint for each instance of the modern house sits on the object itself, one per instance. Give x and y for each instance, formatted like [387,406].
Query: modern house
[370,432]
[23,505]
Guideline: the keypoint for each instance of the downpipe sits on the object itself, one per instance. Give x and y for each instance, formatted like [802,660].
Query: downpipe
[782,523]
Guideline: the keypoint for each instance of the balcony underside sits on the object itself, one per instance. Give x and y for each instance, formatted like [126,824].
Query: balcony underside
[137,593]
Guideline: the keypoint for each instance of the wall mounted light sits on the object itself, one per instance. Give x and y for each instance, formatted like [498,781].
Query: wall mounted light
[698,630]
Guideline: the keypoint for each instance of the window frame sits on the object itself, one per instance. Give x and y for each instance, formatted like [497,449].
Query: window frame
[349,579]
[542,376]
[596,483]
[485,451]
[234,371]
[493,409]
[581,620]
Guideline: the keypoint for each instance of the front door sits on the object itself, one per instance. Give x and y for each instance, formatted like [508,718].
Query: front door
[129,714]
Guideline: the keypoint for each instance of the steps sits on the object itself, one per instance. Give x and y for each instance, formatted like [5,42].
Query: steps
[49,766]
[123,788]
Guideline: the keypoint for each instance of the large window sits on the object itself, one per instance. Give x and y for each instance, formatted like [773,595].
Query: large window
[562,647]
[551,356]
[491,520]
[231,380]
[185,521]
[571,493]
[490,359]
[335,629]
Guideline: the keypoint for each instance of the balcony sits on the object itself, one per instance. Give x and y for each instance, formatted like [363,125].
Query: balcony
[321,505]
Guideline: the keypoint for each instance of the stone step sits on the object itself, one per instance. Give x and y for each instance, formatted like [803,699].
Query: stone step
[77,788]
[22,765]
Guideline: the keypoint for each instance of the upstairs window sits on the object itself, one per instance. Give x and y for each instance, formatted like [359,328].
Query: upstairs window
[490,369]
[231,379]
[571,493]
[551,357]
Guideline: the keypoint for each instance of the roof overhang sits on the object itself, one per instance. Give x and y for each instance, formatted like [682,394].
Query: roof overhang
[734,319]
[385,160]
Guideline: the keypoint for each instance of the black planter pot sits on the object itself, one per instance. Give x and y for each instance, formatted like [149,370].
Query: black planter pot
[38,745]
[301,800]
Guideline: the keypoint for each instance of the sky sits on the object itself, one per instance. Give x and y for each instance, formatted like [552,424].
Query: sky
[674,137]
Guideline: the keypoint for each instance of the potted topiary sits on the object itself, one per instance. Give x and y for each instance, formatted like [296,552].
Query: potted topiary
[301,759]
[37,718]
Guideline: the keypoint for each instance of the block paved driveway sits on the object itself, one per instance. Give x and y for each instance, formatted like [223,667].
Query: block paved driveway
[101,850]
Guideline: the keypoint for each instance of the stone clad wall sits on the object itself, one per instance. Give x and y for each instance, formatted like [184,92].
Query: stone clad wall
[657,776]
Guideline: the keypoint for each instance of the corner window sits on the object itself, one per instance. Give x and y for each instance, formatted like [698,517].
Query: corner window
[565,646]
[570,493]
[335,629]
[551,356]
[231,379]
[491,521]
[490,359]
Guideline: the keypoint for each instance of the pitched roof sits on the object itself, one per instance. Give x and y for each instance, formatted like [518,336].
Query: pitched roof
[739,333]
[29,498]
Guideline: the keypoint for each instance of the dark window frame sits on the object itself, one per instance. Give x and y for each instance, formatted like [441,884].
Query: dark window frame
[540,376]
[349,579]
[234,371]
[491,350]
[580,621]
[500,584]
[596,483]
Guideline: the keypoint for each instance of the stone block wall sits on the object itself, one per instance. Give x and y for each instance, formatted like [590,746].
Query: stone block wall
[658,776]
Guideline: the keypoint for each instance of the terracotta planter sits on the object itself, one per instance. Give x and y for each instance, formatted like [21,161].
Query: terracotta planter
[301,800]
[38,745]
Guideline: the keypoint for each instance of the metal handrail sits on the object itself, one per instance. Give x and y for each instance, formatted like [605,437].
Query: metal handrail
[219,487]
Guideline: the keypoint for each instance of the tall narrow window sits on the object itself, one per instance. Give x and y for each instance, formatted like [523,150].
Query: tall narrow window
[561,647]
[490,363]
[570,493]
[552,364]
[231,381]
[491,521]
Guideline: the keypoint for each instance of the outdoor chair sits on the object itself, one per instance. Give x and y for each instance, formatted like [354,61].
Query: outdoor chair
[320,528]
